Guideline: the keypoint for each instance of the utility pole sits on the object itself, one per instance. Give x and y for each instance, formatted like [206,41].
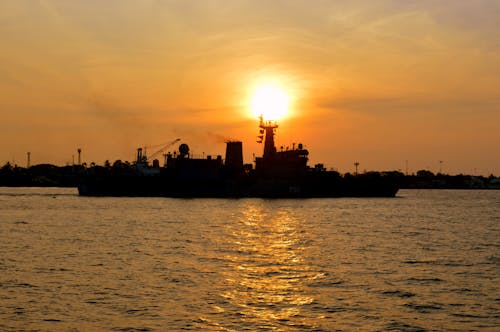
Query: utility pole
[440,166]
[28,163]
[356,164]
[406,167]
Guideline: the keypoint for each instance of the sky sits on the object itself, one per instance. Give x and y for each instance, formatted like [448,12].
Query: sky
[393,85]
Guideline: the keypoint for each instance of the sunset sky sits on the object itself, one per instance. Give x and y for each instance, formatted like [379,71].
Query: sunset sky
[378,82]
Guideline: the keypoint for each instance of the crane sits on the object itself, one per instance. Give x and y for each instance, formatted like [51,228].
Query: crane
[164,147]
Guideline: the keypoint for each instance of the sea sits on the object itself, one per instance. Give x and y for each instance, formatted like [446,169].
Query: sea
[427,260]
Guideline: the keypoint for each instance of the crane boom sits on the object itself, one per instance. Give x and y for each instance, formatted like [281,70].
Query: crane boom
[163,148]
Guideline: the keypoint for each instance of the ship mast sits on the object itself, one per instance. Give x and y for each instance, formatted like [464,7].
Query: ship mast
[269,128]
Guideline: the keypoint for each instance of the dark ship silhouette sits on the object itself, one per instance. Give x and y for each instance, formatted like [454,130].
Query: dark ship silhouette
[277,174]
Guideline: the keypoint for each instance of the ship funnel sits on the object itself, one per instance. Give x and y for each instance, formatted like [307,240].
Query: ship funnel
[234,155]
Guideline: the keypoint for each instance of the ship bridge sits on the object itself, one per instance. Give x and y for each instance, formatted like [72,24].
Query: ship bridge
[279,163]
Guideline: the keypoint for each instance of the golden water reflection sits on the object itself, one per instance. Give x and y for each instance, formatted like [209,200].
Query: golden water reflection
[266,281]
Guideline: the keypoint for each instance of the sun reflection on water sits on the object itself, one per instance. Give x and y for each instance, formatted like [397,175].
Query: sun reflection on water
[268,275]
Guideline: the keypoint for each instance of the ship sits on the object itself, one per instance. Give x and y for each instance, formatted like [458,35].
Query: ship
[282,173]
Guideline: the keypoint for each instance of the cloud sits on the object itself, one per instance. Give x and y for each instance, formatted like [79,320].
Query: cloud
[420,104]
[7,79]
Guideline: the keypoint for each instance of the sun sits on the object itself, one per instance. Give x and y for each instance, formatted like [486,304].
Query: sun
[269,100]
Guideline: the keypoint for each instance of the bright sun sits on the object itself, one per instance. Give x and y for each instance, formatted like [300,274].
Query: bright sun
[270,101]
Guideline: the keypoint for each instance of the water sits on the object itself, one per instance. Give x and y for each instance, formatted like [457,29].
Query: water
[425,261]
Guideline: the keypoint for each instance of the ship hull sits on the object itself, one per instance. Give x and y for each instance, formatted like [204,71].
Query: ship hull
[310,186]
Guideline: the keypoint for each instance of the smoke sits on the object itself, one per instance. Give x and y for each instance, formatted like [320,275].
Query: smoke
[218,138]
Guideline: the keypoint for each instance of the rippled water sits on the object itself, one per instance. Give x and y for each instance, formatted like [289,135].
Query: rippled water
[424,261]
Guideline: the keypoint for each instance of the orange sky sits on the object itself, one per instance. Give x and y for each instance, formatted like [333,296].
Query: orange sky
[378,82]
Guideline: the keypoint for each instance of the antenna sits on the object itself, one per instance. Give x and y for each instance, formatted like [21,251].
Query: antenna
[79,156]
